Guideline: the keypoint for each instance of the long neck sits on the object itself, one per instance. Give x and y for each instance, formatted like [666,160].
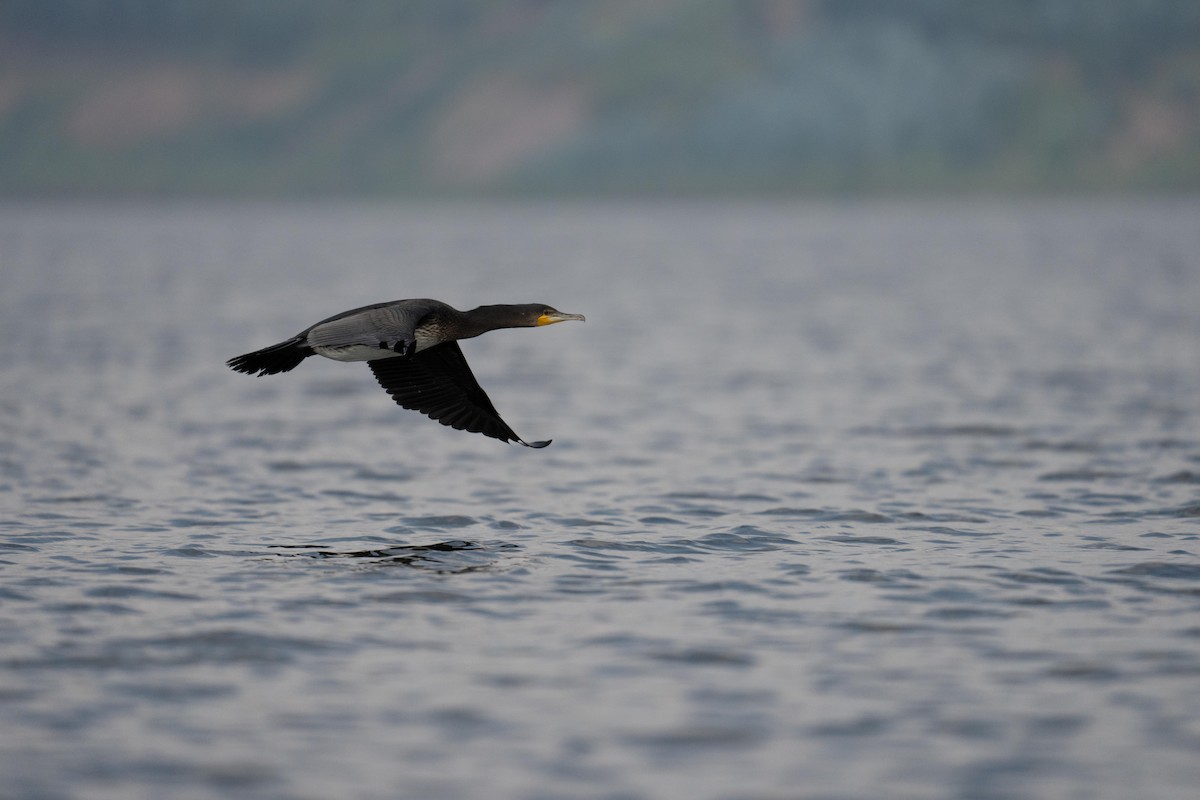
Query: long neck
[489,318]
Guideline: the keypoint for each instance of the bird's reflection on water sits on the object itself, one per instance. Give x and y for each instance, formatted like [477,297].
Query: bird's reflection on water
[454,557]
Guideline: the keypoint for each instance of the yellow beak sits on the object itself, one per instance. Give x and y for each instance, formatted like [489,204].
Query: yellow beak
[558,316]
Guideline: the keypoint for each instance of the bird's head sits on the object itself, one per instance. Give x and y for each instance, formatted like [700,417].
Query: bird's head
[546,315]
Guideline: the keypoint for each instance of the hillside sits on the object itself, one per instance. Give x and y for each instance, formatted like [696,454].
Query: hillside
[614,96]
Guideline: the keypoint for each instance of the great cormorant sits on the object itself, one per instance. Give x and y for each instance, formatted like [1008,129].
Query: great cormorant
[412,347]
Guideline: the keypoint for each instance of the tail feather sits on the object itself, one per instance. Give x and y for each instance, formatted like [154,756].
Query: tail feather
[277,358]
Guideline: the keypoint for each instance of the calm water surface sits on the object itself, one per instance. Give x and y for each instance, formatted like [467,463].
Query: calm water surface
[854,501]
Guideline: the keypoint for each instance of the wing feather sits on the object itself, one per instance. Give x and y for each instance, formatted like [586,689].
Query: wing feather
[439,383]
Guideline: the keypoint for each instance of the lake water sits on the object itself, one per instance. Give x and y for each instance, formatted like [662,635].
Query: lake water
[845,501]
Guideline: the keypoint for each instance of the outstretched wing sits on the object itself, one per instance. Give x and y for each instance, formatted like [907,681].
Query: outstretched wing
[438,383]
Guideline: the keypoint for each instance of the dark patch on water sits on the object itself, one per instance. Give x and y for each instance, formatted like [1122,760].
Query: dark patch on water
[863,726]
[422,597]
[704,657]
[861,540]
[125,591]
[942,530]
[1183,476]
[1160,569]
[1083,474]
[439,522]
[827,515]
[967,430]
[697,737]
[189,552]
[447,558]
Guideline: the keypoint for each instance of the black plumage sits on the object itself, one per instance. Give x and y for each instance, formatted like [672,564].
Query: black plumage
[412,348]
[438,383]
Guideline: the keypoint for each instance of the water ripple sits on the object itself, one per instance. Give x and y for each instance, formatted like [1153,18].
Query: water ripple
[930,527]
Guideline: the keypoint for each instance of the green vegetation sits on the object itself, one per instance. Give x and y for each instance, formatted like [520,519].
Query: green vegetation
[282,97]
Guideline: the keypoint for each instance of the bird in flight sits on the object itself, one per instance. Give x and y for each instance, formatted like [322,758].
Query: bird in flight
[412,347]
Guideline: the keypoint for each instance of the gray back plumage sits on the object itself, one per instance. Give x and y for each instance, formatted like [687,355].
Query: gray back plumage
[374,323]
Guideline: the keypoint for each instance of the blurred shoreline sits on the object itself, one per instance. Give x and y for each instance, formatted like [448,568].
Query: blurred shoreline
[680,98]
